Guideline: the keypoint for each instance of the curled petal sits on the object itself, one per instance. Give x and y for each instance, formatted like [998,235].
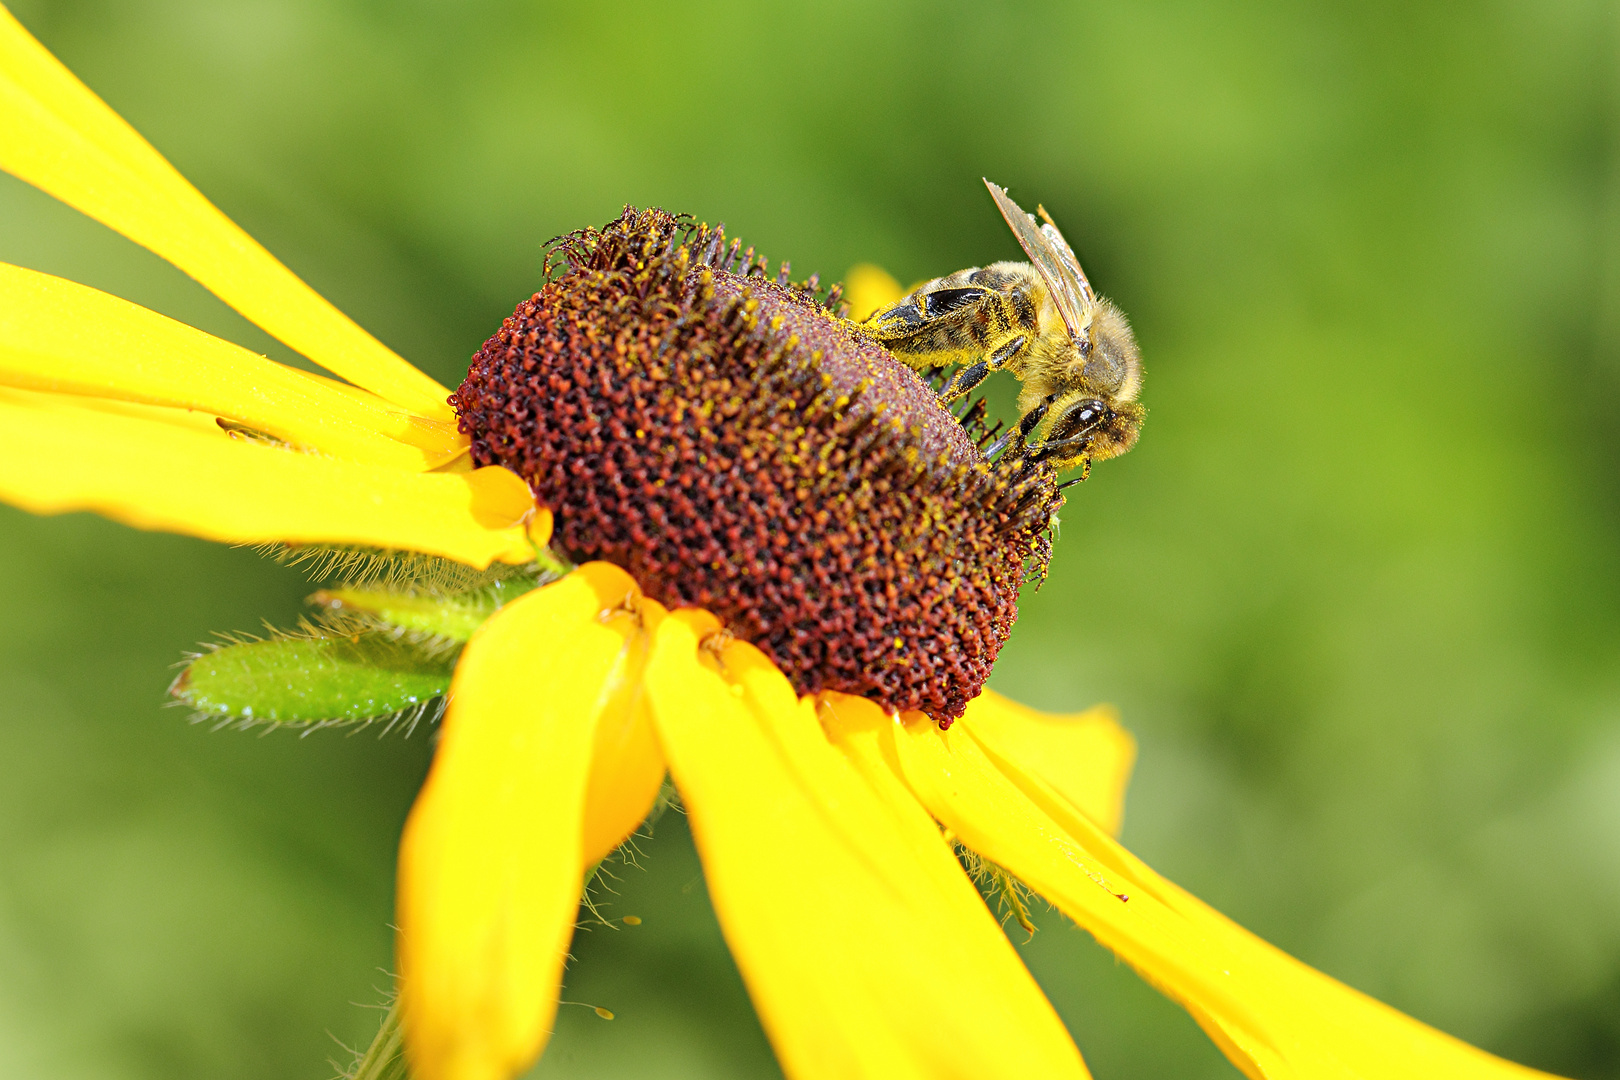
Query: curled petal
[1086,757]
[174,470]
[59,136]
[492,860]
[59,336]
[866,950]
[1272,1015]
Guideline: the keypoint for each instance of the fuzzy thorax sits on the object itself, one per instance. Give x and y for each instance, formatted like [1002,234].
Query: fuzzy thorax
[736,446]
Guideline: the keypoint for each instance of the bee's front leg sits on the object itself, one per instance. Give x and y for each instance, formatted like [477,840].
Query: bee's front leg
[1085,471]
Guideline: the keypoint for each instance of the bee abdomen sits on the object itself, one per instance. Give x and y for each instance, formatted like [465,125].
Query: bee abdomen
[944,301]
[898,318]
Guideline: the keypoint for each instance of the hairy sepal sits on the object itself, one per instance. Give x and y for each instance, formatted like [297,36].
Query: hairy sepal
[451,618]
[315,680]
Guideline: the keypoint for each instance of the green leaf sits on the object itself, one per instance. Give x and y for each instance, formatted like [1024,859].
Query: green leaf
[310,680]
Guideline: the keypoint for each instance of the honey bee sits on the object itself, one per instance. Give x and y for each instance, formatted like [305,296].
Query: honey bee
[1072,350]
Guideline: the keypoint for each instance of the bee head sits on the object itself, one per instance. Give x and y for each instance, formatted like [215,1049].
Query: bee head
[1083,428]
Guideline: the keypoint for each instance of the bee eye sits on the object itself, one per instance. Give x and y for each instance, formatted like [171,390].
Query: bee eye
[1083,416]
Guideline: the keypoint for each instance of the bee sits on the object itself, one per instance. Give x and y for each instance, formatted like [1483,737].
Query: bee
[1072,350]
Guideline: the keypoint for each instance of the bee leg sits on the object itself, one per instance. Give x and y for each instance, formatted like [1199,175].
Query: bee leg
[1030,420]
[1053,447]
[1026,424]
[1085,471]
[999,358]
[974,415]
[965,380]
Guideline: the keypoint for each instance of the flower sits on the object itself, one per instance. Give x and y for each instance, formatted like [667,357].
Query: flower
[818,815]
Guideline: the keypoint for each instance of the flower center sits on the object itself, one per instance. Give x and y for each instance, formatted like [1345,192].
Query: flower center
[736,446]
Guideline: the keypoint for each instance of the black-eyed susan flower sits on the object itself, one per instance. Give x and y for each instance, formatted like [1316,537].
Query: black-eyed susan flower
[796,570]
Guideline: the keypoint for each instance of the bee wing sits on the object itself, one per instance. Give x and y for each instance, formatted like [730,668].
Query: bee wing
[1065,255]
[1053,257]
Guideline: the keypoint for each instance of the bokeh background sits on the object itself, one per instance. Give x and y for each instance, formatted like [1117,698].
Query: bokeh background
[1357,591]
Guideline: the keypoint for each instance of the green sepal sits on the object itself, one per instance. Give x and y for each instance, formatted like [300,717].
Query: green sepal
[315,679]
[452,618]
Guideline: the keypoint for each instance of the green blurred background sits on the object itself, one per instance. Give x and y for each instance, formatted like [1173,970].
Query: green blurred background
[1356,591]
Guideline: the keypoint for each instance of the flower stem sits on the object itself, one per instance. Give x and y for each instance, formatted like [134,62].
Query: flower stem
[384,1059]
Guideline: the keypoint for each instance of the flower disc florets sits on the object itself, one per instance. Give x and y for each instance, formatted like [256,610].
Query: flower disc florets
[736,446]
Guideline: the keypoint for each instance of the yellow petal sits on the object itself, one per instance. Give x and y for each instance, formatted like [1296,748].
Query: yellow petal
[627,764]
[59,136]
[1272,1015]
[867,288]
[866,950]
[1086,757]
[492,861]
[425,431]
[174,470]
[56,335]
